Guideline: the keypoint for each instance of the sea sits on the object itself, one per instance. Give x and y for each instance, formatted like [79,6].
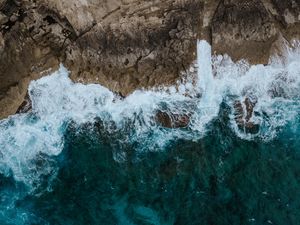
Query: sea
[85,156]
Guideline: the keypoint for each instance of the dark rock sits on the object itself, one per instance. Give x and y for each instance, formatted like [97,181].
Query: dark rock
[287,11]
[243,114]
[26,106]
[171,120]
[13,18]
[3,19]
[244,29]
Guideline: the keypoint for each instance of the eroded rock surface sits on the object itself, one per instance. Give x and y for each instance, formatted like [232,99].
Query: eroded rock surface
[243,29]
[136,44]
[130,44]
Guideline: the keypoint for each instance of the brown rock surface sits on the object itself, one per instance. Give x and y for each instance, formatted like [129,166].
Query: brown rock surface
[243,29]
[172,120]
[137,44]
[129,44]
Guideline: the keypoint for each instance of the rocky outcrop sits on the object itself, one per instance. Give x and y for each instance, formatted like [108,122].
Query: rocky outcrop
[136,44]
[243,29]
[26,105]
[172,120]
[123,45]
[244,111]
[130,44]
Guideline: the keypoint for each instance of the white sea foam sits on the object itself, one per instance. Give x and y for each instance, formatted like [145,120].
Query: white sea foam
[56,100]
[275,87]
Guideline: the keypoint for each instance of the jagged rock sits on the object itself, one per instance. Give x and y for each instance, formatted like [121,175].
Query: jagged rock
[138,44]
[172,120]
[243,29]
[288,11]
[123,45]
[243,114]
[26,106]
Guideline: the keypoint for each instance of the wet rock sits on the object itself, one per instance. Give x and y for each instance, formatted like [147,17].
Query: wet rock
[172,120]
[243,114]
[26,106]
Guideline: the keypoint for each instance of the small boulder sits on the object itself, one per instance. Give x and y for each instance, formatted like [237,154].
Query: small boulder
[172,120]
[243,114]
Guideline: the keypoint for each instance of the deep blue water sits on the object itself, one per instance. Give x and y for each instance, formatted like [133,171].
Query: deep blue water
[219,179]
[85,156]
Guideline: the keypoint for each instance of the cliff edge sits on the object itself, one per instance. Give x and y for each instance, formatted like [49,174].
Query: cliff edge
[129,44]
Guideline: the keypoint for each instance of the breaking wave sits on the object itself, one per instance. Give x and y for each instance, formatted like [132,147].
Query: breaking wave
[260,100]
[274,91]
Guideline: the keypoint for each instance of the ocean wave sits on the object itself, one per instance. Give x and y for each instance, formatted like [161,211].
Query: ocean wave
[262,99]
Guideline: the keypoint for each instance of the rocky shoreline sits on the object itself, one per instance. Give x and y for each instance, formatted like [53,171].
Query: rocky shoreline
[130,44]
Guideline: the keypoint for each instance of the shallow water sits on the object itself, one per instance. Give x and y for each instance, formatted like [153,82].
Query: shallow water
[85,156]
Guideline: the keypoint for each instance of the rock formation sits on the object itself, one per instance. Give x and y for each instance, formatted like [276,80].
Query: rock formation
[243,111]
[130,44]
[172,120]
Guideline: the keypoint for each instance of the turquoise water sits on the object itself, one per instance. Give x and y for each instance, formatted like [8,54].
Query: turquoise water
[219,179]
[85,156]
